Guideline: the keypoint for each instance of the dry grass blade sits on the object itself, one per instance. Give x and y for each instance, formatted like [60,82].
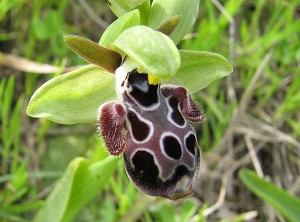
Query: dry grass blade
[230,87]
[257,129]
[90,12]
[244,102]
[26,65]
[253,156]
[229,170]
[250,89]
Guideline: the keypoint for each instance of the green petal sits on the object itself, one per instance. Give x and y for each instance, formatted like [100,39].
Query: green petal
[94,53]
[169,25]
[198,69]
[73,97]
[126,21]
[153,51]
[162,10]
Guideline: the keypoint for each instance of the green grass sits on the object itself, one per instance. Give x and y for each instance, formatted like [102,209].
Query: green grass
[34,153]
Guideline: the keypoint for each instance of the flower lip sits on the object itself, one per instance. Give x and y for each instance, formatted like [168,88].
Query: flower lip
[180,196]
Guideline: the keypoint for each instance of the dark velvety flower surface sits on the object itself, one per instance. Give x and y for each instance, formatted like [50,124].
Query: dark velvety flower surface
[161,153]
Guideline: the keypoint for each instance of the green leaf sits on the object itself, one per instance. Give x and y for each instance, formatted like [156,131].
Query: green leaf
[126,21]
[153,51]
[120,7]
[162,10]
[80,184]
[53,21]
[198,69]
[287,204]
[164,212]
[94,53]
[20,177]
[73,97]
[188,209]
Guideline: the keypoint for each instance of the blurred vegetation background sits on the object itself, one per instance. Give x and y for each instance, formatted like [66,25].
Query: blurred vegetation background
[252,117]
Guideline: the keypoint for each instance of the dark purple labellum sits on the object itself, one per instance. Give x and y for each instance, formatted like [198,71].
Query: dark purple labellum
[152,127]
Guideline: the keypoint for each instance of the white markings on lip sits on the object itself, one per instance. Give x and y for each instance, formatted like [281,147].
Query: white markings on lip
[162,146]
[145,121]
[191,150]
[121,74]
[170,111]
[154,158]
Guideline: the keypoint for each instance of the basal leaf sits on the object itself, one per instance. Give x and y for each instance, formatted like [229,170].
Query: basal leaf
[126,21]
[80,183]
[198,69]
[153,51]
[73,97]
[161,10]
[94,53]
[287,204]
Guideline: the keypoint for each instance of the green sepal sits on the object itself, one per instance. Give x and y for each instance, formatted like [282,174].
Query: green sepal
[199,68]
[145,12]
[161,10]
[153,51]
[73,97]
[120,7]
[94,53]
[126,21]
